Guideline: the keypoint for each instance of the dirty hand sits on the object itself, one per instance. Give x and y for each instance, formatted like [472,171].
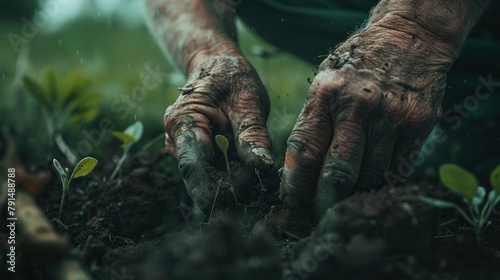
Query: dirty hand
[371,106]
[223,94]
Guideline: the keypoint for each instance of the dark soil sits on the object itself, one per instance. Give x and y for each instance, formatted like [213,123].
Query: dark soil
[142,226]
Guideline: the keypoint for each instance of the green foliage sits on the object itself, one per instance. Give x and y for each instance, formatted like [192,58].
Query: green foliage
[128,137]
[495,179]
[458,180]
[463,183]
[223,144]
[69,98]
[64,102]
[82,168]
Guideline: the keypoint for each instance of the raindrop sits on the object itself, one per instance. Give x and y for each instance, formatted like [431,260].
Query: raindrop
[77,53]
[135,117]
[128,65]
[59,42]
[4,76]
[282,20]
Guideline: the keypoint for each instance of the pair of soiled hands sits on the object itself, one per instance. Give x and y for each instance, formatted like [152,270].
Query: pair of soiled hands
[373,102]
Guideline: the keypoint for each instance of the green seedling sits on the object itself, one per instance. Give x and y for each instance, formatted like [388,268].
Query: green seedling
[223,144]
[128,137]
[82,168]
[478,205]
[64,102]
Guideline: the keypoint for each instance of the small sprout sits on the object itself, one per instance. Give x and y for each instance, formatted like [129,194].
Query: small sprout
[82,168]
[223,144]
[128,137]
[465,184]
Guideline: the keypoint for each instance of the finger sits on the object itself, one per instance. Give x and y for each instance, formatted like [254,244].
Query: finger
[247,114]
[170,146]
[406,155]
[407,152]
[188,127]
[377,159]
[307,146]
[342,163]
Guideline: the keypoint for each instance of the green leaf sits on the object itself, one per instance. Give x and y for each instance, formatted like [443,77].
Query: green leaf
[222,142]
[480,194]
[89,99]
[492,195]
[135,130]
[85,116]
[59,169]
[437,202]
[37,92]
[495,179]
[74,85]
[50,81]
[84,167]
[124,137]
[458,180]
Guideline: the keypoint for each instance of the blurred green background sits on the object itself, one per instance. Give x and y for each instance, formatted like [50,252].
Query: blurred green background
[111,46]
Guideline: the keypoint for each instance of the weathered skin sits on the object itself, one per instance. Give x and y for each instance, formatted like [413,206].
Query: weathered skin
[223,92]
[373,96]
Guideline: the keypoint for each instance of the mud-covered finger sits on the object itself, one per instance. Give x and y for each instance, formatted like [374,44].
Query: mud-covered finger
[193,146]
[407,155]
[247,112]
[377,159]
[306,148]
[342,163]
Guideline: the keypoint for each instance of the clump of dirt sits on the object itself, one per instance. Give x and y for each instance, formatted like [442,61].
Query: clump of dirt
[142,225]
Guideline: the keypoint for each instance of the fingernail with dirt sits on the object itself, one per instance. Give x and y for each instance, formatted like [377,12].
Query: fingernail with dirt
[264,154]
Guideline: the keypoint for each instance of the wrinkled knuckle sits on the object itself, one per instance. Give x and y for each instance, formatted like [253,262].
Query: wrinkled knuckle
[304,146]
[325,90]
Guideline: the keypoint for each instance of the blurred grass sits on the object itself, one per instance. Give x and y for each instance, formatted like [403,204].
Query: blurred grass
[115,57]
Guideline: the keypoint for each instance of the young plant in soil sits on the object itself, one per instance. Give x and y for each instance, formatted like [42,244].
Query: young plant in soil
[64,102]
[128,137]
[465,184]
[223,144]
[82,168]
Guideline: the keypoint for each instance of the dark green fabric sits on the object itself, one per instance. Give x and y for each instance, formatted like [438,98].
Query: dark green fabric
[309,28]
